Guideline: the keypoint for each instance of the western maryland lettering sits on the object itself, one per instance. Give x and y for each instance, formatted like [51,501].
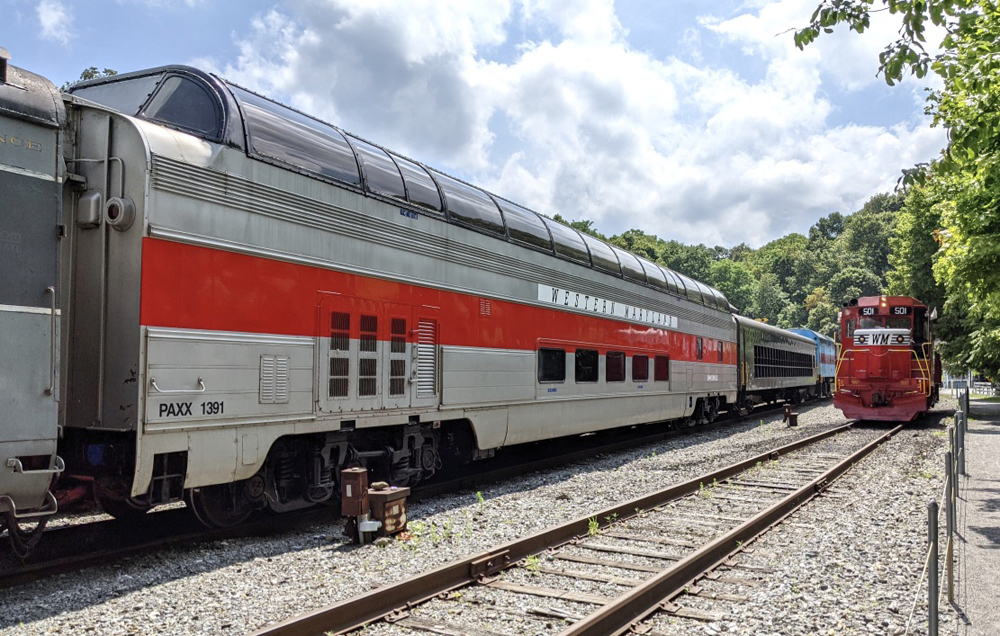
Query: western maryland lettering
[604,307]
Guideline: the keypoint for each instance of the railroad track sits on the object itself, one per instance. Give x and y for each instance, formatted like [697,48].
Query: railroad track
[616,570]
[69,548]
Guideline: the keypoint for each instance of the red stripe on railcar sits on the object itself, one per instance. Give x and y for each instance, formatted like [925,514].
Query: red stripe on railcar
[192,287]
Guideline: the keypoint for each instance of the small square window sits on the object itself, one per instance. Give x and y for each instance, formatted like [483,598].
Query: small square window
[551,365]
[661,368]
[586,365]
[615,366]
[640,368]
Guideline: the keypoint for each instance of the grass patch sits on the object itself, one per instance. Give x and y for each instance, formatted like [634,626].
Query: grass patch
[985,398]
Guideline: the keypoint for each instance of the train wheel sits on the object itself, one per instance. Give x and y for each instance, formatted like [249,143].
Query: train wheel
[22,541]
[222,505]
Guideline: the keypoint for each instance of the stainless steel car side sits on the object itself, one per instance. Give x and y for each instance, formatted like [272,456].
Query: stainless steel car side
[31,177]
[257,299]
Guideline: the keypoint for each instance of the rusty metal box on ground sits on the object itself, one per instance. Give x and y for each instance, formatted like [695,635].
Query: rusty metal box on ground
[389,506]
[354,492]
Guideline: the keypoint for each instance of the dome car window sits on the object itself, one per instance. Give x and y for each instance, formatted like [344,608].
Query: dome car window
[280,133]
[691,288]
[381,174]
[182,102]
[568,242]
[654,275]
[125,96]
[524,226]
[470,206]
[420,188]
[602,255]
[630,265]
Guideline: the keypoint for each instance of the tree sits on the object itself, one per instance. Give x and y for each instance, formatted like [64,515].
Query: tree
[89,74]
[966,178]
[768,299]
[827,228]
[853,282]
[735,281]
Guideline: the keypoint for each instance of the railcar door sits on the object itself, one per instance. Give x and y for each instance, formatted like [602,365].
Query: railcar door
[376,355]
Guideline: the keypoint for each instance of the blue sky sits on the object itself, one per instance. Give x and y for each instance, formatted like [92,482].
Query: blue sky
[694,121]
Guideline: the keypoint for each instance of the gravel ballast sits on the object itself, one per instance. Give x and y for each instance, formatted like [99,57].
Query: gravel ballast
[867,550]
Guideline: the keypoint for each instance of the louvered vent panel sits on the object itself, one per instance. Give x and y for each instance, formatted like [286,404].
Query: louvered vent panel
[281,380]
[426,358]
[273,380]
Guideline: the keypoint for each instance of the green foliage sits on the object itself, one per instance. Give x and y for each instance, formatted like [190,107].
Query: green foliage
[735,280]
[950,223]
[769,300]
[89,74]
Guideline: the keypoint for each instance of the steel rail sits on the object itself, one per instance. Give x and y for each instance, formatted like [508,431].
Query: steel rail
[85,550]
[354,613]
[618,616]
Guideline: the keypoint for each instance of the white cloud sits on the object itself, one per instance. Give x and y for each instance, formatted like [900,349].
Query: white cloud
[579,122]
[55,19]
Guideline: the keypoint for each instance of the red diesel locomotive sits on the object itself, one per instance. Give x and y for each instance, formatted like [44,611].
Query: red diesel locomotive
[886,368]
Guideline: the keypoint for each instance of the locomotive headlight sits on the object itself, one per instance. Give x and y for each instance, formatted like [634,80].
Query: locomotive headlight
[120,213]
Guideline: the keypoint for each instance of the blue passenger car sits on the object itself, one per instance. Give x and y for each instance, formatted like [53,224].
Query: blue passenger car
[826,357]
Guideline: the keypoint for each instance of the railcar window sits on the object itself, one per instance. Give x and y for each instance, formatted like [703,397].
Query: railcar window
[280,133]
[551,365]
[602,255]
[700,348]
[720,300]
[718,345]
[630,265]
[677,281]
[568,242]
[470,206]
[691,288]
[126,96]
[708,297]
[381,174]
[181,101]
[661,369]
[673,282]
[420,187]
[524,226]
[778,363]
[586,368]
[640,368]
[654,275]
[615,366]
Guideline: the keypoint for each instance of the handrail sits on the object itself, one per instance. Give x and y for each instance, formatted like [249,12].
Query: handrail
[200,389]
[924,380]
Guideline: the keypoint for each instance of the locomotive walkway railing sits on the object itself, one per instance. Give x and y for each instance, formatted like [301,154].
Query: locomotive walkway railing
[954,465]
[924,380]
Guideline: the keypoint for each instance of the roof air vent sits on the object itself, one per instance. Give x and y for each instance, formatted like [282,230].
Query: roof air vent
[4,56]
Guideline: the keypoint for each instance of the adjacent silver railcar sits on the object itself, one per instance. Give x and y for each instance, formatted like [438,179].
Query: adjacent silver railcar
[31,119]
